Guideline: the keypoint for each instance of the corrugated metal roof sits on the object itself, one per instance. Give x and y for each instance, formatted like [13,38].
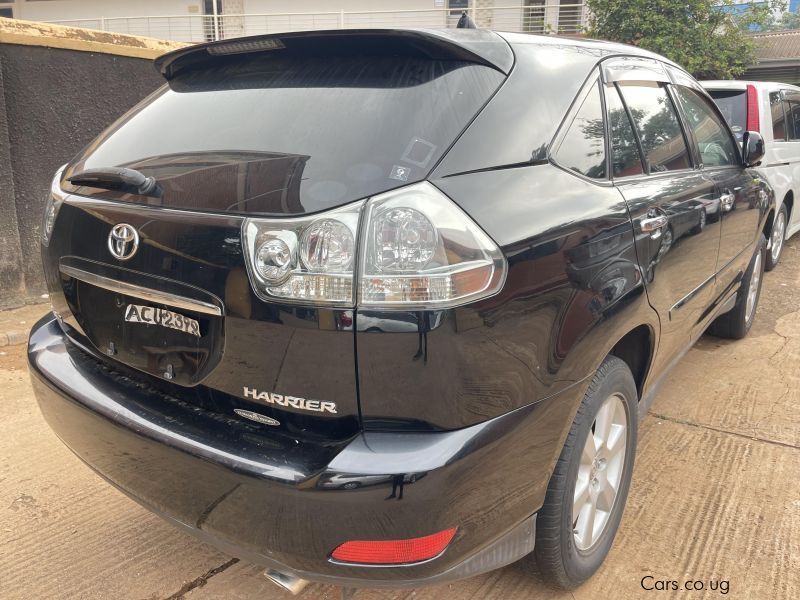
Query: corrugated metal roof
[777,45]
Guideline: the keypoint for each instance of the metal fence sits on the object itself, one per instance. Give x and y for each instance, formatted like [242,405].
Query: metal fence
[532,17]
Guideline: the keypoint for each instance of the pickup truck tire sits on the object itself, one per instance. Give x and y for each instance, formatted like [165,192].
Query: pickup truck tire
[736,323]
[585,489]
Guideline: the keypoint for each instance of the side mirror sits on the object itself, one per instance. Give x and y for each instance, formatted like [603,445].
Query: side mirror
[752,149]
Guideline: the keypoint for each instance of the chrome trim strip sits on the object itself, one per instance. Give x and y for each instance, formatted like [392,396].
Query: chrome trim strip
[143,293]
[131,207]
[688,297]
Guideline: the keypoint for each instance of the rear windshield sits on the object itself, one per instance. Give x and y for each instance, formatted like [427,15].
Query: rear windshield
[733,105]
[297,134]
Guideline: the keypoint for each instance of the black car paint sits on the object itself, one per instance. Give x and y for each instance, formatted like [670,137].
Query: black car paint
[468,414]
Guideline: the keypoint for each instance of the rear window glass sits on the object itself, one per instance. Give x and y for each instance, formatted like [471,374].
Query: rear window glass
[778,117]
[733,106]
[297,134]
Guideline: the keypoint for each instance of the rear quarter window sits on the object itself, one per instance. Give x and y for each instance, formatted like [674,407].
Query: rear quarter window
[583,148]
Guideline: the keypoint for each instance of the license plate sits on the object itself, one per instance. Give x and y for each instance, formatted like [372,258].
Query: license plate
[150,315]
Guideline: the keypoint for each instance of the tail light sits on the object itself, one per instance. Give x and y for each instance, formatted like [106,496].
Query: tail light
[408,249]
[310,260]
[753,119]
[394,552]
[52,205]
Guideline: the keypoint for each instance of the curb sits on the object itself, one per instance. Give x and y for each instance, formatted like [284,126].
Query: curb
[12,338]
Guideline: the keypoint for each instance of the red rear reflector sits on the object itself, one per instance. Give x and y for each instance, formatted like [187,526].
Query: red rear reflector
[394,552]
[753,121]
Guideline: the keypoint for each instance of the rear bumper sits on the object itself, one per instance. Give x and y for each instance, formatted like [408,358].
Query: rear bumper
[264,506]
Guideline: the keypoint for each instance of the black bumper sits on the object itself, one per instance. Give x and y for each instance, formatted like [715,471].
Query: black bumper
[272,507]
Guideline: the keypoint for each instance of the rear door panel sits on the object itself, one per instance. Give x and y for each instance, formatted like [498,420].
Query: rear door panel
[280,361]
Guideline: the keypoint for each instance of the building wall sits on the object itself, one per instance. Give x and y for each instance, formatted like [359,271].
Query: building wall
[57,10]
[54,101]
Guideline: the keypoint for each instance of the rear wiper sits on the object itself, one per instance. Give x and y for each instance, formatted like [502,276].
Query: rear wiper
[113,178]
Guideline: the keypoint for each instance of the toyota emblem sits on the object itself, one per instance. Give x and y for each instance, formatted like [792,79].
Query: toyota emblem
[123,241]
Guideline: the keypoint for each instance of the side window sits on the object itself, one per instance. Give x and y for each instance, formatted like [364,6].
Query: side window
[625,159]
[792,108]
[716,145]
[583,148]
[778,116]
[657,125]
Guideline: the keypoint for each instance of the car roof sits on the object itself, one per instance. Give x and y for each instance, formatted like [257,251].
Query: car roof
[476,45]
[740,84]
[603,48]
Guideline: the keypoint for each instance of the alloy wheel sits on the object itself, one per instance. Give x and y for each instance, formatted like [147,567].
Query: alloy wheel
[600,472]
[752,291]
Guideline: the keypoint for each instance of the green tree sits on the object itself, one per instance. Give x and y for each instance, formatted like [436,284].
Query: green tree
[709,38]
[787,20]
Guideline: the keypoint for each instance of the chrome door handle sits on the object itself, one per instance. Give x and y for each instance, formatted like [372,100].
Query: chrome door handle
[726,200]
[653,224]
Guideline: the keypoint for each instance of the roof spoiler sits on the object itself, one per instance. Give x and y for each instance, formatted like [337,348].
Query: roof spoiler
[469,45]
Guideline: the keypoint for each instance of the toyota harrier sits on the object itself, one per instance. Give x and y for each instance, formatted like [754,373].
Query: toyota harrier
[383,307]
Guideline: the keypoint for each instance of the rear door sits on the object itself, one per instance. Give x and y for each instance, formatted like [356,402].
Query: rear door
[294,131]
[736,204]
[667,196]
[787,154]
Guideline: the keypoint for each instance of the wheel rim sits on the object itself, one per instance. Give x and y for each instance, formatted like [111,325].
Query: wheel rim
[702,219]
[778,235]
[752,291]
[600,472]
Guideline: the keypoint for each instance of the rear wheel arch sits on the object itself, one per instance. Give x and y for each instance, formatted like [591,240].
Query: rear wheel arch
[636,348]
[767,231]
[788,202]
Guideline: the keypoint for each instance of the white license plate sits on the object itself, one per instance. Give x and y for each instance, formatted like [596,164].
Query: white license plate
[150,315]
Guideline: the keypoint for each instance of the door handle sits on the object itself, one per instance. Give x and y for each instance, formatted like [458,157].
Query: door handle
[726,200]
[654,225]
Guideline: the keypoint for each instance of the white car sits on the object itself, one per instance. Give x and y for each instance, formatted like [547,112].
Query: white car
[773,109]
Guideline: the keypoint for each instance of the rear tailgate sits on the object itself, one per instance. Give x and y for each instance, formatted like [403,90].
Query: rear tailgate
[295,129]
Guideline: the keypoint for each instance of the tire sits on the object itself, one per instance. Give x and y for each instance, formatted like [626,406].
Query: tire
[564,557]
[736,323]
[702,221]
[777,239]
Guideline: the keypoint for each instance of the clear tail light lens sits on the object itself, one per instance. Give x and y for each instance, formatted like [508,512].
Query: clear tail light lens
[421,251]
[415,249]
[309,259]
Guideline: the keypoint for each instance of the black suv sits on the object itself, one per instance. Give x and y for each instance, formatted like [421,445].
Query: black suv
[382,307]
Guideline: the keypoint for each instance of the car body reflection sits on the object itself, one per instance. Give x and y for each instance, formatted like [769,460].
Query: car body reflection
[352,481]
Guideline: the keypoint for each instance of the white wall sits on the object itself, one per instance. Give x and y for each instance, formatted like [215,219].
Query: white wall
[56,10]
[188,23]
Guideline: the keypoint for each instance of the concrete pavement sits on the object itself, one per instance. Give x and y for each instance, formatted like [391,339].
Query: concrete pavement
[715,496]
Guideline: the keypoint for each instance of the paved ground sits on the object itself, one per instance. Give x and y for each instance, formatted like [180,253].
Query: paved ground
[715,496]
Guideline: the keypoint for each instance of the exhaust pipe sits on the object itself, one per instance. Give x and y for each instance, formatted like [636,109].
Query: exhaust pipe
[290,583]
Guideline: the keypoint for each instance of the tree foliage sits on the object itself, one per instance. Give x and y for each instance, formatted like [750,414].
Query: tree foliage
[709,38]
[786,21]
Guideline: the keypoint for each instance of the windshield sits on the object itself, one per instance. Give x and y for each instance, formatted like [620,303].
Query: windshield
[297,134]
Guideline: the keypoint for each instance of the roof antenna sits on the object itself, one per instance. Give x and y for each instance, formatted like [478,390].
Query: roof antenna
[465,22]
